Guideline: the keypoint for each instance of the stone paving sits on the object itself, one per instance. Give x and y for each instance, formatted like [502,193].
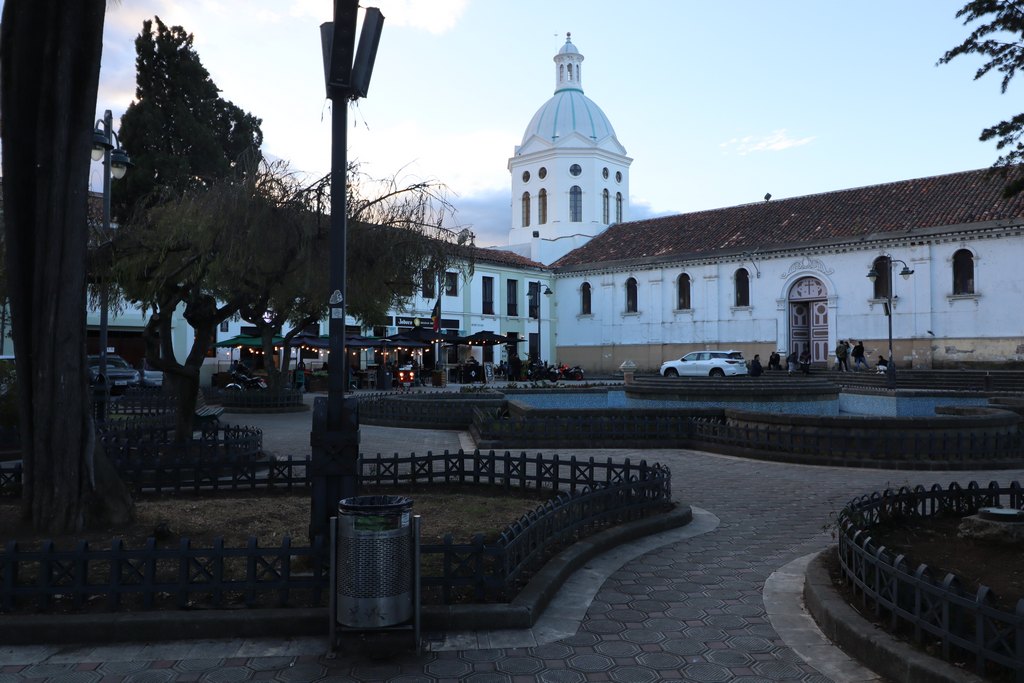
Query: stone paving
[690,610]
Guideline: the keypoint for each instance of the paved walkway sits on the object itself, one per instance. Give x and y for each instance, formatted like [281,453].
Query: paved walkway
[713,602]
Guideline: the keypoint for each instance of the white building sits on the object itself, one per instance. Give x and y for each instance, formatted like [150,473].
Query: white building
[778,275]
[570,174]
[792,274]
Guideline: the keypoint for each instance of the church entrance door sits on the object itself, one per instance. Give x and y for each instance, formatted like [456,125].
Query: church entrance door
[808,318]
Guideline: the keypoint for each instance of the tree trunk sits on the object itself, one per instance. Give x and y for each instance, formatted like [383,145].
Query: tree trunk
[49,71]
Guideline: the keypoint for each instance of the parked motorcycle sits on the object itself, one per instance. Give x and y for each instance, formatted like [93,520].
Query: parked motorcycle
[537,371]
[241,381]
[574,373]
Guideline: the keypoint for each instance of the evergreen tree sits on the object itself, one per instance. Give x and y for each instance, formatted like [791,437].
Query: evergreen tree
[184,139]
[180,132]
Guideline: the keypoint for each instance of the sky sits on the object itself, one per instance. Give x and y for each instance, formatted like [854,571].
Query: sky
[717,103]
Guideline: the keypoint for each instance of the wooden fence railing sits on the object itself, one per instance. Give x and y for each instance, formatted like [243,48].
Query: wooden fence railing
[912,598]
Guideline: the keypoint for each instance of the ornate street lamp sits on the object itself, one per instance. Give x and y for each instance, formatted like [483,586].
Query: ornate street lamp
[547,292]
[115,165]
[890,369]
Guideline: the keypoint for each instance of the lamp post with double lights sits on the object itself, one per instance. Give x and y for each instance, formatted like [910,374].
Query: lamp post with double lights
[890,370]
[115,165]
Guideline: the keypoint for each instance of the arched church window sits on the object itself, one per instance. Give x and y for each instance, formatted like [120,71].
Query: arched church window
[561,73]
[683,293]
[963,272]
[742,283]
[883,267]
[585,299]
[604,206]
[631,302]
[575,204]
[570,72]
[526,209]
[618,207]
[542,207]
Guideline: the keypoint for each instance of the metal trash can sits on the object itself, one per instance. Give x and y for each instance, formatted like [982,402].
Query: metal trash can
[374,561]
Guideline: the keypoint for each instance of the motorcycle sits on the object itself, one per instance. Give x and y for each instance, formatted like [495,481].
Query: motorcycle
[243,382]
[537,371]
[574,373]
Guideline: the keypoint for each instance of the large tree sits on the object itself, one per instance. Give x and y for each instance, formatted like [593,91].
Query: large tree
[184,139]
[1000,39]
[49,73]
[180,132]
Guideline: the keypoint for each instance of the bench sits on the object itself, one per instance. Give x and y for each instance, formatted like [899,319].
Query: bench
[206,414]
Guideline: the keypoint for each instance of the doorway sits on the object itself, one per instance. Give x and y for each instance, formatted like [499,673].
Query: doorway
[808,318]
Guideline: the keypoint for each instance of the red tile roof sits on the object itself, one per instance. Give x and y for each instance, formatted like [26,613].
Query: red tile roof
[505,258]
[948,200]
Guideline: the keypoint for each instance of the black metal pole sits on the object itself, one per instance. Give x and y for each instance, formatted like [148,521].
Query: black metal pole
[108,130]
[890,370]
[336,357]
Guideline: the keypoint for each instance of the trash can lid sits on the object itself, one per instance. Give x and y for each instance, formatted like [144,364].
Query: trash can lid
[374,505]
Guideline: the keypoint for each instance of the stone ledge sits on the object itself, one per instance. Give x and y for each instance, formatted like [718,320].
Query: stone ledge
[870,645]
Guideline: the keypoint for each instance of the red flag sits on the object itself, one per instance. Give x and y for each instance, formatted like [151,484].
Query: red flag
[435,315]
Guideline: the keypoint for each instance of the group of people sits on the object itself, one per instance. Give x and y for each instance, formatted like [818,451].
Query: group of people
[801,361]
[844,353]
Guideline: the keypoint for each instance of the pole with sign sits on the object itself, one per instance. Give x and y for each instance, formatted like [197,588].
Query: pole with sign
[335,435]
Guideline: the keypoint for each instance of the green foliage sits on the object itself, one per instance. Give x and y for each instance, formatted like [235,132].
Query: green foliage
[1000,39]
[179,132]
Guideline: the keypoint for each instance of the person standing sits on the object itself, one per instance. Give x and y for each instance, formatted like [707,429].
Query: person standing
[792,362]
[842,350]
[858,357]
[515,368]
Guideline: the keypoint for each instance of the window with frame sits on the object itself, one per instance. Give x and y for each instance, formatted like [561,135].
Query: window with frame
[526,209]
[963,272]
[487,285]
[618,207]
[512,297]
[533,293]
[429,285]
[605,198]
[631,295]
[683,293]
[542,207]
[451,284]
[575,204]
[883,269]
[585,299]
[741,281]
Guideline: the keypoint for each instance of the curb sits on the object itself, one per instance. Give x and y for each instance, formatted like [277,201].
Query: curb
[869,644]
[285,623]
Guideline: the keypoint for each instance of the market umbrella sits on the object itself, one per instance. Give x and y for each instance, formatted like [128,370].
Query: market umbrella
[488,338]
[313,341]
[405,342]
[241,340]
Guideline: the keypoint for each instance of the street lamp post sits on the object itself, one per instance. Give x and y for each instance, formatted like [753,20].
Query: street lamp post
[115,165]
[547,292]
[890,369]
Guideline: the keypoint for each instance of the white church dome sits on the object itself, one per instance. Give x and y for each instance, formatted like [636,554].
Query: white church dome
[569,110]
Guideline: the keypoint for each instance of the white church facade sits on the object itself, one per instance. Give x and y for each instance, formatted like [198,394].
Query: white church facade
[793,274]
[781,275]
